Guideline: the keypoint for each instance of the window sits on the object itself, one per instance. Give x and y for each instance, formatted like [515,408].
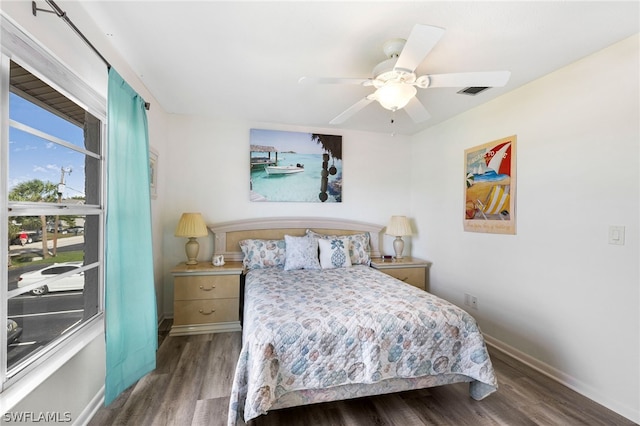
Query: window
[52,128]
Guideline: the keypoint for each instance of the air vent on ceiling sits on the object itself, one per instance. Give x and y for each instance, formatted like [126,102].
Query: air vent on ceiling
[472,90]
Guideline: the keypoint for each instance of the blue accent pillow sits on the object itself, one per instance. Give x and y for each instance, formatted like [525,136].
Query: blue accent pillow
[334,253]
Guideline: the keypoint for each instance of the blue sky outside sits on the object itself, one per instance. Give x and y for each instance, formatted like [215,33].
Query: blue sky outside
[31,157]
[284,141]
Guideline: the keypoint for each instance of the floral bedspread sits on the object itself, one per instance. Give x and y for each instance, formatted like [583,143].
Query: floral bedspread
[313,330]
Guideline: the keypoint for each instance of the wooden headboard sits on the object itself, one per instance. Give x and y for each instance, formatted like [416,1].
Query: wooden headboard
[227,235]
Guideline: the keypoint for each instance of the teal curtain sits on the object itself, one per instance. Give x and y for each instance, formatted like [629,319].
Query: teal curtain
[130,302]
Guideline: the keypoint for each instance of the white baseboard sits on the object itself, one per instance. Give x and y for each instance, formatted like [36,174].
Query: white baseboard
[564,379]
[90,410]
[219,327]
[162,318]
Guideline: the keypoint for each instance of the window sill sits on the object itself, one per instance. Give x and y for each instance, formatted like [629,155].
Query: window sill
[23,384]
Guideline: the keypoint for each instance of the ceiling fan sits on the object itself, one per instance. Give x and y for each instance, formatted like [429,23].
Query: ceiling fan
[395,80]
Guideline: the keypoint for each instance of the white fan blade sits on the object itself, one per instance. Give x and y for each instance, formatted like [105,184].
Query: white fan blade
[351,110]
[417,111]
[470,79]
[420,42]
[330,80]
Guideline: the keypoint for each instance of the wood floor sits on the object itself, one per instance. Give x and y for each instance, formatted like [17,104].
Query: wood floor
[192,383]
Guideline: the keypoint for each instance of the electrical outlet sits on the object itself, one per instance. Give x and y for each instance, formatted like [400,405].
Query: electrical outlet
[470,301]
[467,299]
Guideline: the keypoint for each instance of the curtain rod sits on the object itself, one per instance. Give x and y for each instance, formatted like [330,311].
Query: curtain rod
[62,14]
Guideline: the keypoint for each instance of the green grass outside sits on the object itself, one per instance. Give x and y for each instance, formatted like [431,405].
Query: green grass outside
[66,256]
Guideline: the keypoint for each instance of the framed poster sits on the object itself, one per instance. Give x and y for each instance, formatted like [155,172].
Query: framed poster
[153,172]
[490,187]
[295,166]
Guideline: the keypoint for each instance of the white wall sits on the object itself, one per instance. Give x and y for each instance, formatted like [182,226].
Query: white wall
[84,373]
[206,168]
[556,293]
[73,388]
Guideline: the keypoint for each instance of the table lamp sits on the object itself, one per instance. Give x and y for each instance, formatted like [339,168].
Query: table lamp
[192,226]
[398,227]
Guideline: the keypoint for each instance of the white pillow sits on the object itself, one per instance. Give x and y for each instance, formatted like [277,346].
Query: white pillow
[358,248]
[334,253]
[301,253]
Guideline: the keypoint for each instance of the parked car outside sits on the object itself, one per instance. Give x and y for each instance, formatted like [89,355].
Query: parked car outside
[61,229]
[14,331]
[16,241]
[31,238]
[72,282]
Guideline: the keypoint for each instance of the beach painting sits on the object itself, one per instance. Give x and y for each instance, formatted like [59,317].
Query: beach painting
[490,187]
[295,166]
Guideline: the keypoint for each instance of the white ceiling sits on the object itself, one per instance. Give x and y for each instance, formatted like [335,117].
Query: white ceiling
[242,60]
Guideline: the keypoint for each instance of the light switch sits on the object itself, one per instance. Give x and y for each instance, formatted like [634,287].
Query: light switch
[616,235]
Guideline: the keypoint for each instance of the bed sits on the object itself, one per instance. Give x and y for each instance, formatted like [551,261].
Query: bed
[316,332]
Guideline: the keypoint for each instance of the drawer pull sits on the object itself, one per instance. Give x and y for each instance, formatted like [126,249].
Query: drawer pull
[404,279]
[207,313]
[207,289]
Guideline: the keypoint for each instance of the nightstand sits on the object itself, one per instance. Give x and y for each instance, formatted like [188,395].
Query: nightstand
[408,269]
[206,298]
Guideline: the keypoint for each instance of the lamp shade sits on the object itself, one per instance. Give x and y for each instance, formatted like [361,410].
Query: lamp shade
[398,226]
[191,225]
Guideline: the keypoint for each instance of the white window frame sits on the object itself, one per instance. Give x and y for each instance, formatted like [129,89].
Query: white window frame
[20,47]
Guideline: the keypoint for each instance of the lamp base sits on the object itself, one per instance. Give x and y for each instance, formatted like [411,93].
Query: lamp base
[398,247]
[191,248]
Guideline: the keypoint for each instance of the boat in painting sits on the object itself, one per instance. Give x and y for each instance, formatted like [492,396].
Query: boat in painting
[284,170]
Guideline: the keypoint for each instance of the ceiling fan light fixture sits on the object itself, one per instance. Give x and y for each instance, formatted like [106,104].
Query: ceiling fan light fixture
[395,95]
[395,81]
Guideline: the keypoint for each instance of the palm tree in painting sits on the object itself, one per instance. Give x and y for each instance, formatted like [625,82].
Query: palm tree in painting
[332,144]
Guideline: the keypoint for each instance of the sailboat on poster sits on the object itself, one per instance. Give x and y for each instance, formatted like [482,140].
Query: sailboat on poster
[495,170]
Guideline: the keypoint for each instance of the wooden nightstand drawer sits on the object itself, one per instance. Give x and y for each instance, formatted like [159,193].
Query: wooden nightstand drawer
[206,298]
[408,269]
[205,311]
[206,287]
[413,276]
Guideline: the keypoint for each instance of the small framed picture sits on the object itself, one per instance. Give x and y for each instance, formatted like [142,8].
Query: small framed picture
[490,187]
[153,172]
